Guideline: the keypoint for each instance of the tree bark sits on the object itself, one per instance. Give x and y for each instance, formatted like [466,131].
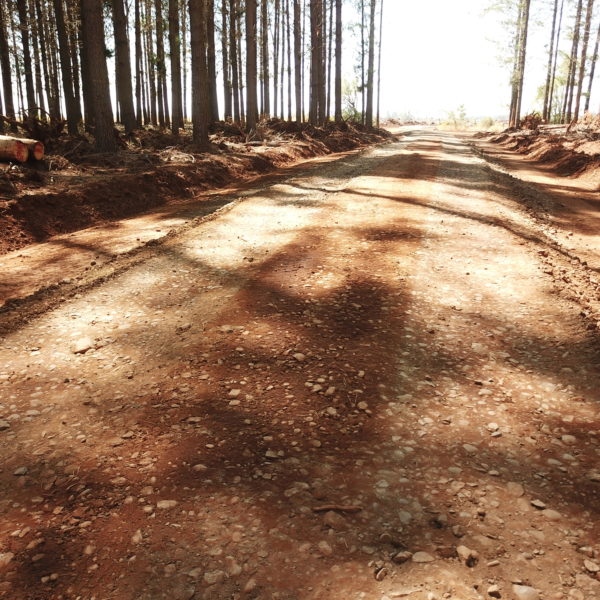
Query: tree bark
[161,66]
[6,67]
[138,66]
[123,67]
[264,37]
[175,50]
[27,62]
[200,96]
[545,110]
[592,70]
[379,62]
[212,62]
[583,60]
[298,58]
[556,46]
[225,58]
[234,59]
[92,24]
[371,65]
[251,108]
[573,65]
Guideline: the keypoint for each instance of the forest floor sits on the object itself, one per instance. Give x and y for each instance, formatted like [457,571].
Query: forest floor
[375,377]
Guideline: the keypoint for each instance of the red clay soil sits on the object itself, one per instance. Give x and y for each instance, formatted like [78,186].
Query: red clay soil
[36,205]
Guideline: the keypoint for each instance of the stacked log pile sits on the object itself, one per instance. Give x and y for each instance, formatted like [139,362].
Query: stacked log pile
[20,150]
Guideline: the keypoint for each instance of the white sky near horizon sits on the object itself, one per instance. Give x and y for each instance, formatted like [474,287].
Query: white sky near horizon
[439,54]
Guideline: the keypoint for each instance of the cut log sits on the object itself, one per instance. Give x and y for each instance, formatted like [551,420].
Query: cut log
[13,149]
[36,149]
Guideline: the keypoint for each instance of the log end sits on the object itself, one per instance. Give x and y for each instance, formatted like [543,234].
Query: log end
[37,151]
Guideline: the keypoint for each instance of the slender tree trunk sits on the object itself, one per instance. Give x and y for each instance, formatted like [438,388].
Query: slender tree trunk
[371,67]
[282,70]
[276,57]
[24,27]
[338,61]
[234,59]
[212,63]
[74,52]
[184,45]
[138,65]
[363,85]
[289,58]
[240,55]
[92,24]
[316,70]
[175,50]
[161,66]
[583,60]
[522,59]
[515,73]
[150,65]
[573,63]
[592,70]
[123,67]
[555,62]
[266,82]
[550,57]
[298,58]
[329,59]
[6,67]
[252,108]
[225,58]
[200,93]
[39,88]
[379,63]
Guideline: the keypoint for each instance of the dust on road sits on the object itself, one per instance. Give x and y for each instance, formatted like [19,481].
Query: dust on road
[358,383]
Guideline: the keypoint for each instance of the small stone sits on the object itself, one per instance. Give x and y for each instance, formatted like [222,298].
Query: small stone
[234,393]
[250,585]
[470,448]
[362,405]
[330,391]
[594,476]
[515,489]
[166,504]
[538,504]
[524,592]
[422,557]
[325,548]
[402,557]
[199,468]
[468,556]
[331,411]
[592,567]
[212,577]
[568,439]
[494,591]
[381,574]
[5,558]
[493,427]
[20,471]
[232,567]
[136,538]
[82,345]
[195,573]
[552,515]
[4,425]
[299,356]
[335,521]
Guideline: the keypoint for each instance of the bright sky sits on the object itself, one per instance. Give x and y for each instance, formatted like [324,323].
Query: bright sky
[439,54]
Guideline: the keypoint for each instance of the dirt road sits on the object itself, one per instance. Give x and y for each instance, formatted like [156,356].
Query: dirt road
[368,381]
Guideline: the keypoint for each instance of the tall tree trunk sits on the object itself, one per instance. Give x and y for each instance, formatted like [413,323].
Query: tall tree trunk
[200,95]
[264,55]
[6,67]
[592,70]
[92,24]
[53,107]
[175,50]
[379,62]
[338,61]
[282,69]
[573,64]
[371,67]
[316,66]
[161,66]
[583,60]
[545,111]
[252,105]
[37,61]
[74,52]
[24,27]
[212,62]
[329,59]
[65,66]
[276,56]
[138,65]
[234,59]
[150,64]
[123,67]
[289,58]
[362,61]
[225,58]
[298,58]
[555,61]
[522,59]
[184,45]
[240,55]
